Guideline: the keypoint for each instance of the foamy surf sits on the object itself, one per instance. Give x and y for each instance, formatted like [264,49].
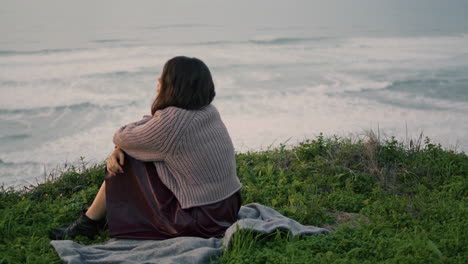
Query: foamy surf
[58,105]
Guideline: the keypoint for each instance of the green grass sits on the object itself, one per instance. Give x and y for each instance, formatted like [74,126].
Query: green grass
[410,202]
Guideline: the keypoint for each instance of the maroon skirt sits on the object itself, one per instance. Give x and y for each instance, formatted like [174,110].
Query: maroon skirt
[140,206]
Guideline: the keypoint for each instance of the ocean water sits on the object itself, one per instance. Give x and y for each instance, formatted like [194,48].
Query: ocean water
[63,96]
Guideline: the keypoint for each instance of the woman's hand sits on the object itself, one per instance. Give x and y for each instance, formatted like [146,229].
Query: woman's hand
[115,161]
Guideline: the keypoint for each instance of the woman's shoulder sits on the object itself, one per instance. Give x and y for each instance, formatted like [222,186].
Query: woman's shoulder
[204,109]
[176,115]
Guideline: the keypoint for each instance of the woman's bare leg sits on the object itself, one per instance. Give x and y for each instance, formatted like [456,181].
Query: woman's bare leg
[97,210]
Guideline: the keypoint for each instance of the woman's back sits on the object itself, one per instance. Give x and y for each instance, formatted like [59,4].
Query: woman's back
[191,149]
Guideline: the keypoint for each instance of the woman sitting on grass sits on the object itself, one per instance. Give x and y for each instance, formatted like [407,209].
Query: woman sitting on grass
[172,173]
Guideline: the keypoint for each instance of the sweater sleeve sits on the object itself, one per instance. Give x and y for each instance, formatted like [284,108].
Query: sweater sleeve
[153,137]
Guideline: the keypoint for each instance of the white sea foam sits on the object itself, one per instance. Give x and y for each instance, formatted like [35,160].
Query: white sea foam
[58,106]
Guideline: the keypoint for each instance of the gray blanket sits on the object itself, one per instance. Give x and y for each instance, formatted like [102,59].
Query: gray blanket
[254,216]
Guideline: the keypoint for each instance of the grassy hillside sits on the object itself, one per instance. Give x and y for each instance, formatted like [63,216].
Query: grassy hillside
[385,201]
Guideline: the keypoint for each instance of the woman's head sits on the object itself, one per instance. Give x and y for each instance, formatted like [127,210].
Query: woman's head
[185,83]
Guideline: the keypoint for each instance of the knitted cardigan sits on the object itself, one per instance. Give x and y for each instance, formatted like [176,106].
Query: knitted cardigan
[191,150]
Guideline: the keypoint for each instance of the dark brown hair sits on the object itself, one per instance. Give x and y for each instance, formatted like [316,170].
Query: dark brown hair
[185,83]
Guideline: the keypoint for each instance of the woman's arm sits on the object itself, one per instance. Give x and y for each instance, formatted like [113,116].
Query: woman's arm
[115,161]
[151,138]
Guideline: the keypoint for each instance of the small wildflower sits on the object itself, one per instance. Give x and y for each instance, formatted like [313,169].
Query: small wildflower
[46,194]
[23,197]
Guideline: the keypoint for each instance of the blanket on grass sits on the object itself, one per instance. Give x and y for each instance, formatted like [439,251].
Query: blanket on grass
[256,217]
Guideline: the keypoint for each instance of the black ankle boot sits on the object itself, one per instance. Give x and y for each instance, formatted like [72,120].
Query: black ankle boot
[83,226]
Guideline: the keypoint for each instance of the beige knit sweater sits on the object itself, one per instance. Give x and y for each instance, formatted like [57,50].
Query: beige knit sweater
[191,149]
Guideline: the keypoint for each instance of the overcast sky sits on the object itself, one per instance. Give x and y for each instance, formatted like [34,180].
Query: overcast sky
[25,15]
